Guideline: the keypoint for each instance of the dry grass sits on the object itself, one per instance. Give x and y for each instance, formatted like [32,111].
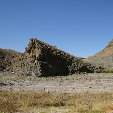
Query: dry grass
[11,102]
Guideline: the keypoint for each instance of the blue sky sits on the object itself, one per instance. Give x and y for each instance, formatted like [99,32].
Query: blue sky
[80,27]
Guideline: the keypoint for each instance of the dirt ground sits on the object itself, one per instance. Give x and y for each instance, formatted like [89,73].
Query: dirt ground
[77,83]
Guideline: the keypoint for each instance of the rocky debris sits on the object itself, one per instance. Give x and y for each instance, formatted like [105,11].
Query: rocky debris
[92,82]
[104,57]
[2,84]
[42,59]
[5,84]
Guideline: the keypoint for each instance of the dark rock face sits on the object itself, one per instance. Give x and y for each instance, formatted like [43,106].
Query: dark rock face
[51,60]
[46,60]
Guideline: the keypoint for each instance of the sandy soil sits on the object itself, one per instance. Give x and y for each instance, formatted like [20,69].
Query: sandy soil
[94,83]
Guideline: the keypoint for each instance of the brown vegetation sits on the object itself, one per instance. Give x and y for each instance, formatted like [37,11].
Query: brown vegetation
[11,102]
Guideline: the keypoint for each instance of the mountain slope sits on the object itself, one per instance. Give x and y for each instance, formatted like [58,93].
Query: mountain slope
[6,57]
[104,57]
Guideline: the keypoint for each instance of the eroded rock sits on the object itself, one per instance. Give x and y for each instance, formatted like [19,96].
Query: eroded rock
[45,60]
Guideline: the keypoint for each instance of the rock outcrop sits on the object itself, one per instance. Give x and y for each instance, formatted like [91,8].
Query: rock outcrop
[42,59]
[6,57]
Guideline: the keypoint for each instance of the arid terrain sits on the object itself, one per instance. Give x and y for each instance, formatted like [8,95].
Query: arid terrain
[77,83]
[78,93]
[45,79]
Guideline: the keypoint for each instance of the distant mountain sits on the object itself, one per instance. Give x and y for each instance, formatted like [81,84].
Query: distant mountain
[104,57]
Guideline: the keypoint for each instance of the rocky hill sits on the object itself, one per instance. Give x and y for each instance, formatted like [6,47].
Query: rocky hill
[42,59]
[104,57]
[6,57]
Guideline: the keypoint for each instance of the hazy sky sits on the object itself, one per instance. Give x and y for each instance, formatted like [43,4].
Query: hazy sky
[80,27]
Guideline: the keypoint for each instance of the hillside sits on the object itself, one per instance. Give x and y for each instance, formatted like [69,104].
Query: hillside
[42,59]
[104,57]
[6,57]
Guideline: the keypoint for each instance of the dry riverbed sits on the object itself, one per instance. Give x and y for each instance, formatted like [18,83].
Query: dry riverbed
[77,83]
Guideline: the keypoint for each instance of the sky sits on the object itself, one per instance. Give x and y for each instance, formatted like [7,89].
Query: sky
[79,27]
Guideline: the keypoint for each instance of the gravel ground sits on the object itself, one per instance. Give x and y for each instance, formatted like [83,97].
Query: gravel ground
[78,83]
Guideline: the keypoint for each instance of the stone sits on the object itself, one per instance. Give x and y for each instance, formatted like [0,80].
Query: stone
[46,60]
[42,59]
